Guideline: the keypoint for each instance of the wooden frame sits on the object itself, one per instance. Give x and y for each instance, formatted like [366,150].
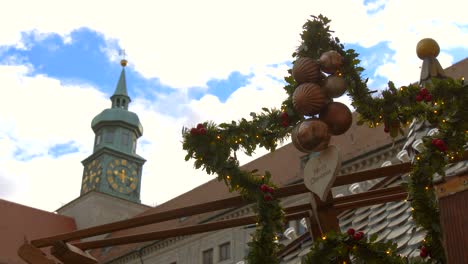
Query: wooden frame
[322,216]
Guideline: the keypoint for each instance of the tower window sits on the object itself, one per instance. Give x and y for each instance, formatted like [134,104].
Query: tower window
[118,102]
[98,138]
[125,138]
[123,102]
[109,136]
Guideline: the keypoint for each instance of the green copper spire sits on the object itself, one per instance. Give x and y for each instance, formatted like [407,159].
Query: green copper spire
[120,98]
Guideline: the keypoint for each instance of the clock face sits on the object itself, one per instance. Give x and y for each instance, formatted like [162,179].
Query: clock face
[91,176]
[122,175]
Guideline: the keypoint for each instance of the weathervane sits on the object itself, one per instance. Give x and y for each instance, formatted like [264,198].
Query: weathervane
[123,61]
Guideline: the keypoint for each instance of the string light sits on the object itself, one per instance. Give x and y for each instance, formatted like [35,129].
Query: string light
[388,252]
[435,111]
[257,136]
[427,188]
[418,158]
[240,139]
[218,137]
[228,177]
[324,237]
[443,120]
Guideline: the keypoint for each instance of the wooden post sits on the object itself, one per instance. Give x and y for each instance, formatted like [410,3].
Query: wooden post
[327,214]
[33,255]
[70,254]
[453,197]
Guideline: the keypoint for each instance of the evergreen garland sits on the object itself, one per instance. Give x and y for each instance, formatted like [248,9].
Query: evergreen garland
[213,147]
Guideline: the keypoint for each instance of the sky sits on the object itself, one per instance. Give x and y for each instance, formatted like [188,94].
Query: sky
[189,61]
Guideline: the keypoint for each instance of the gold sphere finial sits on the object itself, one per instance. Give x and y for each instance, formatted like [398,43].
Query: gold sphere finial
[427,48]
[123,62]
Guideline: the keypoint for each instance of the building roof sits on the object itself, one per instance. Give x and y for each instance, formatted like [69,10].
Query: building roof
[19,222]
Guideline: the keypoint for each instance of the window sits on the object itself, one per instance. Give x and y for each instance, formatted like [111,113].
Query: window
[224,251]
[109,136]
[98,138]
[208,256]
[125,138]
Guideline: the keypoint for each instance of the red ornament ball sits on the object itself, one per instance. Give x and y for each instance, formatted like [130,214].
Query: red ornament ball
[428,98]
[284,116]
[358,236]
[351,231]
[419,98]
[423,252]
[193,131]
[267,197]
[338,117]
[202,131]
[424,92]
[264,188]
[285,123]
[199,126]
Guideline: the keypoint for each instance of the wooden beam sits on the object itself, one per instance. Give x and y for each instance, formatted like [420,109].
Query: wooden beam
[182,231]
[368,194]
[367,202]
[293,245]
[218,205]
[70,254]
[163,216]
[372,174]
[32,255]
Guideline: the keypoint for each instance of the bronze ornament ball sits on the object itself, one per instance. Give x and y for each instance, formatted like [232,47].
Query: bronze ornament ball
[337,116]
[306,70]
[311,135]
[309,99]
[330,61]
[334,86]
[427,48]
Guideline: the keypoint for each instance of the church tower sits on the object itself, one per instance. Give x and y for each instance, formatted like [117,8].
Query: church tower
[114,168]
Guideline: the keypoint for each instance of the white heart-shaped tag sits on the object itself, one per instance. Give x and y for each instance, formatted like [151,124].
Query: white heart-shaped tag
[320,171]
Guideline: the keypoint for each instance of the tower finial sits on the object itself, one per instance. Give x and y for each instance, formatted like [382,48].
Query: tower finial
[123,61]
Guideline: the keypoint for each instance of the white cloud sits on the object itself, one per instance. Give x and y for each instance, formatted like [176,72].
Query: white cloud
[184,44]
[187,43]
[42,112]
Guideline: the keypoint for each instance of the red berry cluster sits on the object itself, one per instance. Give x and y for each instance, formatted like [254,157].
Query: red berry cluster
[199,130]
[267,191]
[355,235]
[423,253]
[284,119]
[424,95]
[440,144]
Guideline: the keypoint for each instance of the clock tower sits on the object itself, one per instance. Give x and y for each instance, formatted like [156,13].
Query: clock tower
[114,168]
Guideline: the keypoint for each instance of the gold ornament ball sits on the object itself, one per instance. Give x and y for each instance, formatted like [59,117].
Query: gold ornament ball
[330,61]
[123,62]
[306,70]
[334,86]
[309,99]
[337,116]
[310,135]
[427,48]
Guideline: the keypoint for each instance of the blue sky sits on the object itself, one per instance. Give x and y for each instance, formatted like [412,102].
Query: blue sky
[186,65]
